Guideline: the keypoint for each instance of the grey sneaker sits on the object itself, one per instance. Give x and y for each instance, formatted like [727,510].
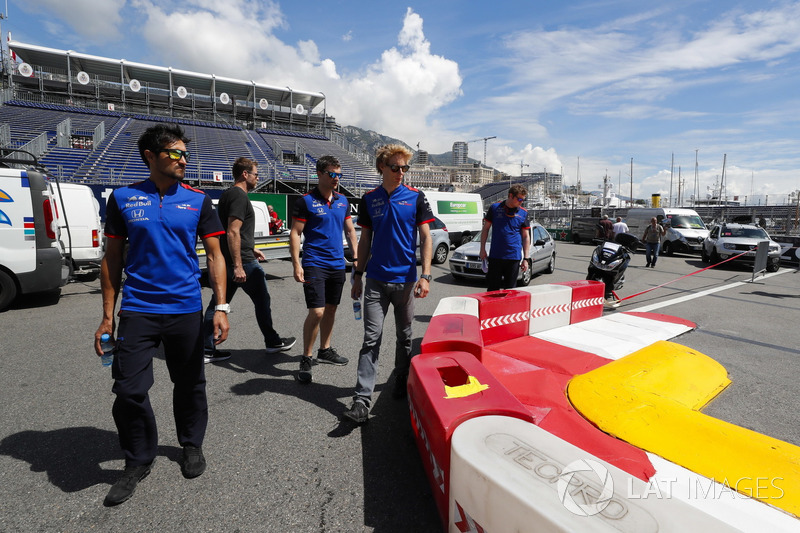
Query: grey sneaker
[286,343]
[358,413]
[123,489]
[304,375]
[329,355]
[194,463]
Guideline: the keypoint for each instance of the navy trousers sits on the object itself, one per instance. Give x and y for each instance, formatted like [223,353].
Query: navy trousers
[138,337]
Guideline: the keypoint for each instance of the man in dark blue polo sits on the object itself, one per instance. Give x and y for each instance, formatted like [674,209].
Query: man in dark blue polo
[511,239]
[320,216]
[390,217]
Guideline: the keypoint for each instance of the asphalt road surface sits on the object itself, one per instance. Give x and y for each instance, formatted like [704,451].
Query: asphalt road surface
[279,458]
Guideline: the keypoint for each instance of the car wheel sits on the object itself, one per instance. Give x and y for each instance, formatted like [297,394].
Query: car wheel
[8,290]
[87,278]
[714,257]
[440,254]
[526,276]
[703,254]
[465,239]
[551,266]
[773,266]
[576,238]
[667,249]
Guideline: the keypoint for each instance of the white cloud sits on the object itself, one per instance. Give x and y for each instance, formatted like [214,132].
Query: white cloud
[97,21]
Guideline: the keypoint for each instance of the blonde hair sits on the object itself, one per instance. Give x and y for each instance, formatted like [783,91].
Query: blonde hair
[385,153]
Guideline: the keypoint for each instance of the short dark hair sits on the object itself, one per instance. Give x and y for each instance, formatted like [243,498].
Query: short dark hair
[518,190]
[242,164]
[326,161]
[156,137]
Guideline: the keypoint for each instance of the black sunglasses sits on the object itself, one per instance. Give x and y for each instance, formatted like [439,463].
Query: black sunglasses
[395,168]
[175,154]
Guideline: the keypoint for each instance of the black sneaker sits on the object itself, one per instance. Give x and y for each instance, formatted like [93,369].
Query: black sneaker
[358,413]
[329,355]
[216,355]
[285,343]
[304,375]
[193,463]
[123,489]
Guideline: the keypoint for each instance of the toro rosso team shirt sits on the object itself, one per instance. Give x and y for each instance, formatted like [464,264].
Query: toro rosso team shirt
[393,220]
[507,224]
[163,275]
[324,221]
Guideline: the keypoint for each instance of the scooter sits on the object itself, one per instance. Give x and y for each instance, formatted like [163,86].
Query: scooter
[608,264]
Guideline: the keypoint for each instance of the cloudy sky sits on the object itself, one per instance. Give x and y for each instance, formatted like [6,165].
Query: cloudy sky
[596,81]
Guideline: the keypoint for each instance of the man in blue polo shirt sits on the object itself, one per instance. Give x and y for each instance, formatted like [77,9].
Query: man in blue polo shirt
[160,219]
[511,239]
[390,217]
[321,215]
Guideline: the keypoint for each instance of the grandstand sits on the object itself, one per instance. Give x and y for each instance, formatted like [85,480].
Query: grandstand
[81,116]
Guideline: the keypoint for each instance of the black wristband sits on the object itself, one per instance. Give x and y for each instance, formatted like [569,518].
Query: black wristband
[357,273]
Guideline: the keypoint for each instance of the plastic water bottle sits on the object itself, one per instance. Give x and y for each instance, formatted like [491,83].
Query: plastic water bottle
[357,309]
[107,345]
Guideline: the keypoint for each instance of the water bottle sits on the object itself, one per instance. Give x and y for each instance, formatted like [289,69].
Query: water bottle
[357,309]
[107,345]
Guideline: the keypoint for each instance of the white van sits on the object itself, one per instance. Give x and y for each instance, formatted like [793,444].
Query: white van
[685,230]
[462,213]
[81,232]
[261,212]
[31,259]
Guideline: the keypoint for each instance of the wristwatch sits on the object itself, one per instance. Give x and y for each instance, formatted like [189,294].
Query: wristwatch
[426,277]
[225,308]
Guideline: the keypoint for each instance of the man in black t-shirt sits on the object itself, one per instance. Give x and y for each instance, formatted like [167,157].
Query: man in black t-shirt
[238,246]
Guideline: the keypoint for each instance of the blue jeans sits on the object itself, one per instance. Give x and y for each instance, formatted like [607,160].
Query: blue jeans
[651,252]
[377,297]
[256,288]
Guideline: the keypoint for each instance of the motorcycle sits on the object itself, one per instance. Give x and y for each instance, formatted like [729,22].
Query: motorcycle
[609,261]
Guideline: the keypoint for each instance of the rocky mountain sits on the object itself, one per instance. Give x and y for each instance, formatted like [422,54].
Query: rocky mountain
[368,141]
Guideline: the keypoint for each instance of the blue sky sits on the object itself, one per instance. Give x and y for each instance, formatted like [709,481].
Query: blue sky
[604,81]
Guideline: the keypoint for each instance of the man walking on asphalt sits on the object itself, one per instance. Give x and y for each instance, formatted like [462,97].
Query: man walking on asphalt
[321,215]
[390,217]
[511,239]
[238,247]
[160,219]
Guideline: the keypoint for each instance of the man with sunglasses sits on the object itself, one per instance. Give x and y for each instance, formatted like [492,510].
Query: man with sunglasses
[242,257]
[511,239]
[159,219]
[390,217]
[320,216]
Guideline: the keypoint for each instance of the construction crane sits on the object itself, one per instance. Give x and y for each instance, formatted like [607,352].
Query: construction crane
[485,140]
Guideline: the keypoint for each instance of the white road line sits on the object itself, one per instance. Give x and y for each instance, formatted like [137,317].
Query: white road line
[681,299]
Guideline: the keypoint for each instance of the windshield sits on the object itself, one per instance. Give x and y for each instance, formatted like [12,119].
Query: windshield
[749,233]
[686,222]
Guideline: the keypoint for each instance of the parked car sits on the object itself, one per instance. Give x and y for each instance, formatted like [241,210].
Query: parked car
[726,240]
[466,262]
[440,242]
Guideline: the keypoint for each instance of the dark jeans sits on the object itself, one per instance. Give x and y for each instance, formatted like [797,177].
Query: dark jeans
[138,337]
[651,252]
[256,288]
[502,274]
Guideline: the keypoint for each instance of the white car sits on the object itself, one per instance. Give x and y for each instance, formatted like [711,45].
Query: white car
[466,262]
[440,242]
[726,240]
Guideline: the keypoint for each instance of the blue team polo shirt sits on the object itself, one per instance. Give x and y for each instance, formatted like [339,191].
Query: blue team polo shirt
[507,225]
[393,220]
[163,275]
[324,221]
